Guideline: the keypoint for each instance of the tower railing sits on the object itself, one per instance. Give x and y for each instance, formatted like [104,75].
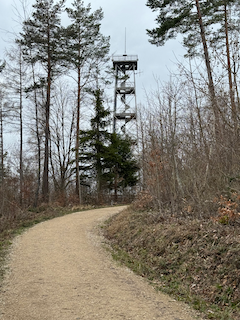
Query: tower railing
[123,58]
[124,94]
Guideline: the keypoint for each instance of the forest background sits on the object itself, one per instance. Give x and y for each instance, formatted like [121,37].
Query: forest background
[184,153]
[55,81]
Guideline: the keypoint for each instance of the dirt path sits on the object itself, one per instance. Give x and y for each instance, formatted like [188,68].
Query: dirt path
[59,271]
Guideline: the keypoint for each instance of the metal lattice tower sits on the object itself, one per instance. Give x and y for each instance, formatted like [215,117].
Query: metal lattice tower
[125,90]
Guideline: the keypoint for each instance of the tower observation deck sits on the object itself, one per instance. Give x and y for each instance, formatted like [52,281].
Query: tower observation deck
[125,90]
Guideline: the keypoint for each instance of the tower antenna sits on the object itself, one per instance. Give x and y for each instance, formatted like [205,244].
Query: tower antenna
[125,53]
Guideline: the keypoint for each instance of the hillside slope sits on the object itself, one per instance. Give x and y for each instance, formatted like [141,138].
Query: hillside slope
[197,261]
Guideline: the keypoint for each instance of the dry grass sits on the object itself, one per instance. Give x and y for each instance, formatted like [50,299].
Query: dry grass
[197,261]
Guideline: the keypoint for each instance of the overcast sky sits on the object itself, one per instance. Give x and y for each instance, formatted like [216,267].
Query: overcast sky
[133,15]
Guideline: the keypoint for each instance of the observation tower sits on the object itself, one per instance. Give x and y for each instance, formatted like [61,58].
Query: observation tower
[125,91]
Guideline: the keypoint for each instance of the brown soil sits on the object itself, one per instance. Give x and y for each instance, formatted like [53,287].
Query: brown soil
[59,270]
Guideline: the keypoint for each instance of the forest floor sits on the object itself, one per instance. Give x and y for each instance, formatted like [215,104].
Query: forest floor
[59,269]
[194,260]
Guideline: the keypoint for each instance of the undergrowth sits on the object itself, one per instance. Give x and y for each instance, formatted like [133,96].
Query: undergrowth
[195,260]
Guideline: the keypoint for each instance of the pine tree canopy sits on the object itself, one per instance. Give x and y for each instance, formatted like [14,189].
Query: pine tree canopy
[119,163]
[181,17]
[84,39]
[41,38]
[106,157]
[2,66]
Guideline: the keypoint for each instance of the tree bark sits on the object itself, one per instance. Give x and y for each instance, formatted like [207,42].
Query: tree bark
[209,72]
[1,142]
[45,186]
[78,186]
[21,125]
[233,105]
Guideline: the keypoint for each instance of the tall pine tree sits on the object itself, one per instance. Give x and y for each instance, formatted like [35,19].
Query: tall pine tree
[86,47]
[106,161]
[92,147]
[120,166]
[41,42]
[189,19]
[225,15]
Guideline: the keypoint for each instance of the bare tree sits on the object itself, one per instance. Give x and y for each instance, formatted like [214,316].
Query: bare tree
[62,140]
[16,78]
[41,43]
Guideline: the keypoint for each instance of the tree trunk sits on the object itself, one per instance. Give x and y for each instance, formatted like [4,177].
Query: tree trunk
[209,72]
[36,197]
[78,185]
[1,143]
[98,164]
[45,186]
[21,127]
[233,105]
[116,187]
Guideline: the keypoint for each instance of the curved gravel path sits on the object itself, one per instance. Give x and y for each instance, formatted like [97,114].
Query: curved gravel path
[58,270]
